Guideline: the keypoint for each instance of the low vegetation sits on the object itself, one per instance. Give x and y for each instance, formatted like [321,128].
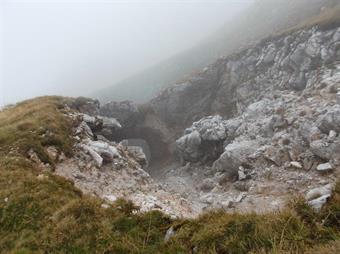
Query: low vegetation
[49,215]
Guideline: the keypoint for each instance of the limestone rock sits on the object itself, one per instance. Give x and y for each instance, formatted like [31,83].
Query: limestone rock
[106,151]
[296,164]
[331,120]
[326,150]
[319,202]
[110,198]
[95,156]
[188,146]
[318,192]
[235,155]
[126,112]
[138,154]
[325,167]
[169,234]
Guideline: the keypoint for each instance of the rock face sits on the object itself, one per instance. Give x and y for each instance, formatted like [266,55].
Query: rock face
[274,122]
[126,112]
[86,105]
[258,125]
[287,62]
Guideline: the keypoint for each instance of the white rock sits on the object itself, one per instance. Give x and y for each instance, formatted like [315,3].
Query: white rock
[88,119]
[84,128]
[41,177]
[241,174]
[111,198]
[332,134]
[110,122]
[296,164]
[106,151]
[105,206]
[318,192]
[319,202]
[169,233]
[324,167]
[95,156]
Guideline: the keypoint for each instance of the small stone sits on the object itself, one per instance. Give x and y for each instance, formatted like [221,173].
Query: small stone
[319,191]
[41,177]
[332,135]
[169,233]
[6,200]
[105,206]
[52,152]
[324,167]
[111,198]
[296,164]
[62,157]
[241,174]
[317,203]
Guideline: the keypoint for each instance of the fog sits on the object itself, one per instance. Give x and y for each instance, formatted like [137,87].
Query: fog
[73,47]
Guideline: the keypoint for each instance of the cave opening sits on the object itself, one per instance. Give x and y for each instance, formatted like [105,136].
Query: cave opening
[150,140]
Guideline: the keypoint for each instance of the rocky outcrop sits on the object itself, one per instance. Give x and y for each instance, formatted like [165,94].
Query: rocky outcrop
[85,105]
[278,101]
[258,125]
[111,170]
[126,112]
[203,141]
[286,62]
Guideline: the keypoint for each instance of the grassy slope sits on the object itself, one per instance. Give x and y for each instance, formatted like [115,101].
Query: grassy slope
[51,216]
[265,17]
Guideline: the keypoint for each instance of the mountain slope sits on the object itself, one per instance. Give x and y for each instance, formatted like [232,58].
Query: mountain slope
[44,213]
[260,20]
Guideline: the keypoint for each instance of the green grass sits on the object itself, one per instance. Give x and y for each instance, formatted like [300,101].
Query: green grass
[50,215]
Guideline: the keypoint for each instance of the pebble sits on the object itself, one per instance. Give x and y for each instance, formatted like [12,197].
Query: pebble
[324,167]
[296,164]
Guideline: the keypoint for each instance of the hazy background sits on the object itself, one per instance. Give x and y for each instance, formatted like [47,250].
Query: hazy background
[75,47]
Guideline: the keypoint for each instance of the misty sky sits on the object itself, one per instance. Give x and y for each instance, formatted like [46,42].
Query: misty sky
[74,47]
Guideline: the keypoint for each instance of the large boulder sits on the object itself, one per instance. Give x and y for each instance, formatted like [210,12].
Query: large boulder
[86,105]
[326,150]
[139,155]
[210,128]
[126,112]
[101,124]
[235,155]
[317,197]
[330,120]
[106,151]
[203,141]
[188,146]
[309,132]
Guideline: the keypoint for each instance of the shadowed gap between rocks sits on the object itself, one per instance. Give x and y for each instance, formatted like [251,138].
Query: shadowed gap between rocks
[156,150]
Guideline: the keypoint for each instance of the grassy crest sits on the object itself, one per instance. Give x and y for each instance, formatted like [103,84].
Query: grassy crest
[50,215]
